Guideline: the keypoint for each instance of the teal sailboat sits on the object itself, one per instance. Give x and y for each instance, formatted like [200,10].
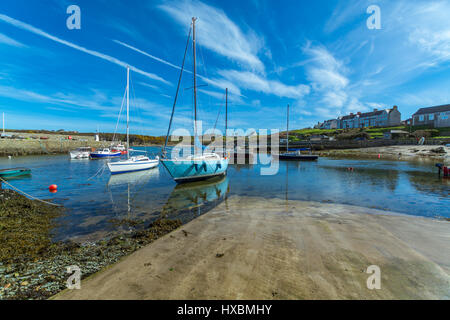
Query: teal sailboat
[201,165]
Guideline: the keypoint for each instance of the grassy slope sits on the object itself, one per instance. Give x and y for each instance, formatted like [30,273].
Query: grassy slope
[374,132]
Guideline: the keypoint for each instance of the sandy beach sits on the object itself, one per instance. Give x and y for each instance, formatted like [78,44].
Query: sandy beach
[257,248]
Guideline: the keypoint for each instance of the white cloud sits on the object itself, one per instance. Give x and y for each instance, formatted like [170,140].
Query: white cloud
[252,81]
[147,54]
[102,56]
[217,32]
[4,39]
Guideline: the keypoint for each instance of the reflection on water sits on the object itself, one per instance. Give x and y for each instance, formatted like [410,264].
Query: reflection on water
[190,200]
[133,178]
[92,201]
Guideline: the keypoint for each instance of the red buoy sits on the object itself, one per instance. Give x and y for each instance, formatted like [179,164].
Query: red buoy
[53,188]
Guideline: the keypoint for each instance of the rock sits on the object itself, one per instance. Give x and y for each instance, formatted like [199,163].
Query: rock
[438,150]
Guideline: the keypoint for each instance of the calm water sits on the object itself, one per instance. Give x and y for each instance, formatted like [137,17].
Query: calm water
[93,200]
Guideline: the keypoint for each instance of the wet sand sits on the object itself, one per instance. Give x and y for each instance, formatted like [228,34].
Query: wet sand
[256,248]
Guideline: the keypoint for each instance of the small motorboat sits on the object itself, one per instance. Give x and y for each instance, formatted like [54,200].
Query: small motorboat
[80,153]
[119,148]
[14,172]
[104,153]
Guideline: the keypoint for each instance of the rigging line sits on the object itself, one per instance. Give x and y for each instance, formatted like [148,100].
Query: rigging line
[120,112]
[176,94]
[26,194]
[138,112]
[101,169]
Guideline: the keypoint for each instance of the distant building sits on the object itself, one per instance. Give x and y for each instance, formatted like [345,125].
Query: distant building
[407,122]
[330,124]
[438,116]
[375,118]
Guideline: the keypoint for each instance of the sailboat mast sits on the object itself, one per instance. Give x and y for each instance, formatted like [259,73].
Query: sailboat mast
[3,123]
[195,80]
[287,130]
[128,112]
[226,111]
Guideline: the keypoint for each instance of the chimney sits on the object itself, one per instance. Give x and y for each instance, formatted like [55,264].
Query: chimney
[395,107]
[375,110]
[351,113]
[359,113]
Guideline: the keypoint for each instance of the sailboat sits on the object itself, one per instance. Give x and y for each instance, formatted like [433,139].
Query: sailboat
[136,163]
[202,165]
[295,154]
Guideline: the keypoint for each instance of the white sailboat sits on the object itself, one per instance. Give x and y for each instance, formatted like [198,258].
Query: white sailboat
[136,163]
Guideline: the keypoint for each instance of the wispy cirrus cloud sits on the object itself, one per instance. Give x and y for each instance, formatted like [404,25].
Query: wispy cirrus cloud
[147,54]
[4,39]
[217,32]
[32,29]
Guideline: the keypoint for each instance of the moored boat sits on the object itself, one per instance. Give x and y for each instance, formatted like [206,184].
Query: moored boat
[194,168]
[104,153]
[80,153]
[119,148]
[201,165]
[295,154]
[133,164]
[136,163]
[14,172]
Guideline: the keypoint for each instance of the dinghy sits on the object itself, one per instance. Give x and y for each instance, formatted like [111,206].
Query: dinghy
[201,165]
[14,172]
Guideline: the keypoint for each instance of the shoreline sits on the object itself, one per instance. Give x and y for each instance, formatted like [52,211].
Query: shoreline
[257,248]
[33,266]
[398,152]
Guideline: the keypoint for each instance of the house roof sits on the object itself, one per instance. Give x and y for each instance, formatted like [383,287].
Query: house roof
[442,108]
[371,114]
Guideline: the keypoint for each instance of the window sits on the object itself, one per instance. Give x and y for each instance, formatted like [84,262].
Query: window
[431,117]
[421,117]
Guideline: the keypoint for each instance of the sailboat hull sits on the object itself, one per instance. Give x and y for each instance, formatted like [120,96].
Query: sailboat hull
[131,166]
[195,170]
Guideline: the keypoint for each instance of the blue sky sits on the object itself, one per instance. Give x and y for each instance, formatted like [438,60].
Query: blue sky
[318,56]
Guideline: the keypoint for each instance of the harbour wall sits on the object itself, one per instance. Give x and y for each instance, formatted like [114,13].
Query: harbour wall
[14,147]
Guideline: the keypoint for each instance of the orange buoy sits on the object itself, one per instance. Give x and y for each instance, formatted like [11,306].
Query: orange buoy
[53,188]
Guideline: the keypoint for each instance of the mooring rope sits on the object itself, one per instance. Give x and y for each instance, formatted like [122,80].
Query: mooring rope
[100,171]
[30,196]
